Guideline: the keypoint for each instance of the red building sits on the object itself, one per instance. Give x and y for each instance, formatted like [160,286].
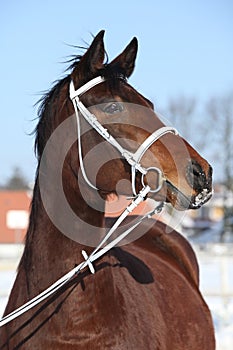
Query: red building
[14,214]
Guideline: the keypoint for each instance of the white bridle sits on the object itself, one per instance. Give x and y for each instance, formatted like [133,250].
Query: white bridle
[134,160]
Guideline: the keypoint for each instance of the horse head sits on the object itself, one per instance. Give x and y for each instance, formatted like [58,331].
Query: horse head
[130,118]
[157,156]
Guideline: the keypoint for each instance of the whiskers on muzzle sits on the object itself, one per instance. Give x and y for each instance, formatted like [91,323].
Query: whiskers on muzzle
[200,199]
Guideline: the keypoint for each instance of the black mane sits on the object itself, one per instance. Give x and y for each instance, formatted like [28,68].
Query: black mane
[46,103]
[46,113]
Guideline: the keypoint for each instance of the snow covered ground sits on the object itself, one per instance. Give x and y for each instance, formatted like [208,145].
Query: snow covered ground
[216,283]
[6,281]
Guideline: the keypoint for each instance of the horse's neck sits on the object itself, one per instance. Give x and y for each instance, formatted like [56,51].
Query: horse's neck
[49,253]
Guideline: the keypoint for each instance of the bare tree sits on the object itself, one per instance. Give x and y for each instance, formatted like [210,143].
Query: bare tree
[16,181]
[221,112]
[185,114]
[180,110]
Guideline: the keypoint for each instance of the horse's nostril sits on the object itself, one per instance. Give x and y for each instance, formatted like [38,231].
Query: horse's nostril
[196,176]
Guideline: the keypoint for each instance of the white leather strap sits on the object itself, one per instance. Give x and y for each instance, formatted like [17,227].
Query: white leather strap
[92,120]
[96,254]
[132,158]
[137,156]
[90,84]
[157,134]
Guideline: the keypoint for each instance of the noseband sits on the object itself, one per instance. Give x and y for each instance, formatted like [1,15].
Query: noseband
[133,159]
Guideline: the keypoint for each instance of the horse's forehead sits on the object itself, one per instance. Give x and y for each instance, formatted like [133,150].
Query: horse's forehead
[121,91]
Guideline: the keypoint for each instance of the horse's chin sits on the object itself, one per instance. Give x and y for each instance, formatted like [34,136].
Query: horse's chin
[182,202]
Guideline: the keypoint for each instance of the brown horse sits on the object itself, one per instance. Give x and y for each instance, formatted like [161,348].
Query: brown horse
[143,295]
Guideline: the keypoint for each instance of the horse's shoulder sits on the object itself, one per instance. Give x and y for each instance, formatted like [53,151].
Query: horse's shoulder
[173,244]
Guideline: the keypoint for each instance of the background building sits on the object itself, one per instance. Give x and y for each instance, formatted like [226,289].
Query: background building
[14,214]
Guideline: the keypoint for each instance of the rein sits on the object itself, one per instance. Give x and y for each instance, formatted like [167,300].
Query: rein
[134,160]
[96,254]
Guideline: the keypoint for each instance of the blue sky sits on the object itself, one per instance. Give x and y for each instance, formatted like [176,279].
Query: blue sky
[185,48]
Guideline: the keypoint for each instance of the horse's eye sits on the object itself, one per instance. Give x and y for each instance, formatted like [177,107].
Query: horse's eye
[114,107]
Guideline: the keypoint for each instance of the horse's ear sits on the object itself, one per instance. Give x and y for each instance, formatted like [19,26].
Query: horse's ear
[93,58]
[125,62]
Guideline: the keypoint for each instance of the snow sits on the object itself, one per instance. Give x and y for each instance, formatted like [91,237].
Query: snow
[7,278]
[216,284]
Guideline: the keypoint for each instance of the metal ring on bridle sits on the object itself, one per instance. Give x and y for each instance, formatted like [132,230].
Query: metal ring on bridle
[159,182]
